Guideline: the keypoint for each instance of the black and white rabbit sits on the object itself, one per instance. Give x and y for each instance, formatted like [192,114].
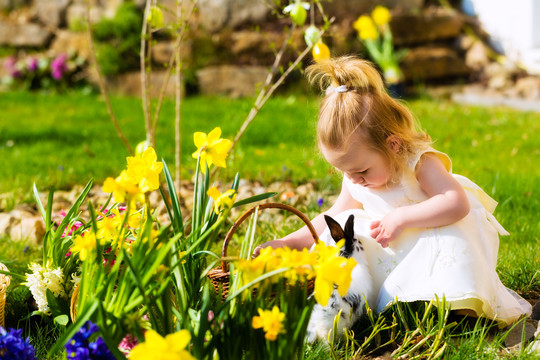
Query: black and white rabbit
[352,305]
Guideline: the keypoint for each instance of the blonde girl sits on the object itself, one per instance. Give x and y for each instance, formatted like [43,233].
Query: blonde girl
[427,232]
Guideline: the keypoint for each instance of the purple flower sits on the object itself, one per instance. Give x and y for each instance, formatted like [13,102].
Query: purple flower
[14,347]
[10,64]
[320,201]
[81,348]
[32,64]
[59,66]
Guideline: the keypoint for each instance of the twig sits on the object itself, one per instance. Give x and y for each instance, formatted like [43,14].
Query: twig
[175,52]
[102,83]
[145,77]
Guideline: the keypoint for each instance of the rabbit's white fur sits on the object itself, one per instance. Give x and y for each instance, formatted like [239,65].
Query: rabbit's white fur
[352,305]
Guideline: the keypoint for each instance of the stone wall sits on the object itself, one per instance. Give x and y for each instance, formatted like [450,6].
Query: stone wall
[231,42]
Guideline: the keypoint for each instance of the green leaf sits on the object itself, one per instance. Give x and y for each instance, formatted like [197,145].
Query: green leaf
[176,220]
[68,334]
[254,198]
[61,319]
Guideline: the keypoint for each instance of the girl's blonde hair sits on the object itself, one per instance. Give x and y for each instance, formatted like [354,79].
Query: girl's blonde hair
[363,104]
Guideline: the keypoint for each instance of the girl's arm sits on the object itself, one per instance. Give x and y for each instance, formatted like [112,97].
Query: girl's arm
[447,203]
[302,238]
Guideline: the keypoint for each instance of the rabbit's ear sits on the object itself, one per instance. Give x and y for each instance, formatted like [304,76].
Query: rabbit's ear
[335,229]
[349,228]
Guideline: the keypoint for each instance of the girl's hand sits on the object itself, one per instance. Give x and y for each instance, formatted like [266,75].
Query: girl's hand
[387,229]
[272,243]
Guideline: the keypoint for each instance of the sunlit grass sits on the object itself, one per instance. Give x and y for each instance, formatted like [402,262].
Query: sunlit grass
[64,140]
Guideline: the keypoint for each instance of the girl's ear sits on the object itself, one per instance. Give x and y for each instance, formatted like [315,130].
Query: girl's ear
[394,143]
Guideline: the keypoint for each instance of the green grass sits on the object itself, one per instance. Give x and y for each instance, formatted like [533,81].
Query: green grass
[66,139]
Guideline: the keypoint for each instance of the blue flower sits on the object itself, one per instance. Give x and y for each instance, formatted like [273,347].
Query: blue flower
[79,347]
[14,347]
[320,202]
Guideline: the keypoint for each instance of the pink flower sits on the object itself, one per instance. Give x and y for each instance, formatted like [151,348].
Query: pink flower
[127,344]
[59,66]
[32,64]
[10,64]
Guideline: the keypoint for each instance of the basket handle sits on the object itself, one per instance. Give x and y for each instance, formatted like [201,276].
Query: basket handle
[245,215]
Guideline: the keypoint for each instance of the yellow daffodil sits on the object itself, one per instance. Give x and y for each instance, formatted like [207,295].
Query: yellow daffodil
[320,52]
[84,244]
[331,270]
[144,170]
[222,201]
[270,321]
[366,28]
[109,226]
[381,16]
[135,219]
[122,187]
[211,149]
[170,347]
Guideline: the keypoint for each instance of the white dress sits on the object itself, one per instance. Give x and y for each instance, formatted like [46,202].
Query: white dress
[456,261]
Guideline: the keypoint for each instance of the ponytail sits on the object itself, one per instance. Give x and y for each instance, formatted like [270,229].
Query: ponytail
[356,99]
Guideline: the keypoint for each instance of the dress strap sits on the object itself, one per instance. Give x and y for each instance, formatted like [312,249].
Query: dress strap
[445,159]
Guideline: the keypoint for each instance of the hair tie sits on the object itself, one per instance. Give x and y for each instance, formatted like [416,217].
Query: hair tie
[338,89]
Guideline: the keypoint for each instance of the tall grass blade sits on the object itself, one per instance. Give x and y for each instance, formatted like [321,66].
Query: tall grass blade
[176,220]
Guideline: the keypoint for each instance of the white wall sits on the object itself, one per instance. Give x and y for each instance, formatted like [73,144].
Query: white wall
[514,26]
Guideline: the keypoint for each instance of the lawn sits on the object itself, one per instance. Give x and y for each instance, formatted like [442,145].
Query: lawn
[66,139]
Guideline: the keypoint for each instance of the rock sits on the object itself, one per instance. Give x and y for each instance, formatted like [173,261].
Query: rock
[528,88]
[29,228]
[76,14]
[9,5]
[22,225]
[130,83]
[476,56]
[517,333]
[535,315]
[51,13]
[432,24]
[66,41]
[432,62]
[23,35]
[347,9]
[218,14]
[231,80]
[163,50]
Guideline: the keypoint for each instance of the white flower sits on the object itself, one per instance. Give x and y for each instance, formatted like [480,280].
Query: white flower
[41,279]
[75,280]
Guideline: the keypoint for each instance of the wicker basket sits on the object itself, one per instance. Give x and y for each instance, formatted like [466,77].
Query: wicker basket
[220,276]
[4,283]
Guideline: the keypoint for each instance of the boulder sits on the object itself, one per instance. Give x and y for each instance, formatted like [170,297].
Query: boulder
[231,80]
[22,225]
[67,41]
[477,56]
[433,24]
[130,83]
[352,9]
[528,87]
[76,14]
[23,35]
[433,62]
[163,50]
[52,13]
[214,15]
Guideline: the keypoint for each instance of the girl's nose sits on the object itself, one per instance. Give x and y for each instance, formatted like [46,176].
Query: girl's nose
[356,179]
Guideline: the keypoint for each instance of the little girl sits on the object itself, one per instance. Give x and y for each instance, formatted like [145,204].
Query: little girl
[432,233]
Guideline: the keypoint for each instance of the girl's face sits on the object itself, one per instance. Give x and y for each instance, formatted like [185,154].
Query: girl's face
[361,164]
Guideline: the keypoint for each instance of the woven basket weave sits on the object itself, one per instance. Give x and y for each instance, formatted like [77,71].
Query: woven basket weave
[4,283]
[221,275]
